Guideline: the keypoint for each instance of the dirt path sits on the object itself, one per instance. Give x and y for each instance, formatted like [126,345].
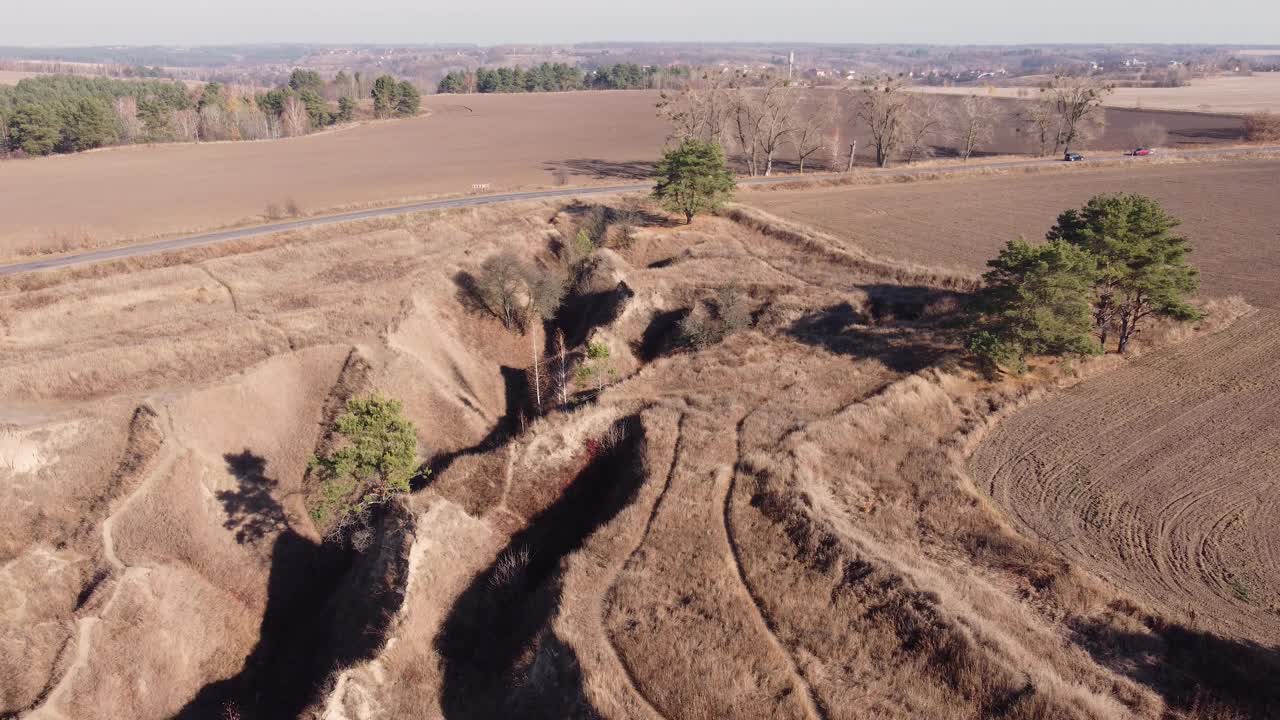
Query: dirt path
[813,705]
[610,641]
[1162,476]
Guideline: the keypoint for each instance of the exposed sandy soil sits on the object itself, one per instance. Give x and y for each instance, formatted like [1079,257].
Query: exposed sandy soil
[505,142]
[1224,94]
[156,431]
[1228,210]
[778,525]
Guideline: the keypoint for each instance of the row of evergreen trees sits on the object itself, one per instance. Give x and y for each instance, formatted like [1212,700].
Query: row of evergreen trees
[554,77]
[64,113]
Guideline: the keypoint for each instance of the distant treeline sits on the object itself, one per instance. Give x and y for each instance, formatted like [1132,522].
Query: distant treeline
[558,77]
[63,113]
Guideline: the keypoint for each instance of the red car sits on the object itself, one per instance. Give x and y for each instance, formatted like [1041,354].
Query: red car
[1142,151]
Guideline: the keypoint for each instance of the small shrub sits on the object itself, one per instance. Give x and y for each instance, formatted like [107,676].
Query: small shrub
[994,354]
[710,323]
[517,292]
[1262,127]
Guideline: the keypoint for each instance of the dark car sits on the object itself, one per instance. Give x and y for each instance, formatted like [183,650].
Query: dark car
[1142,151]
[1072,157]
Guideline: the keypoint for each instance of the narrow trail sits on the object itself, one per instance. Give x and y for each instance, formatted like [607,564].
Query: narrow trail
[813,704]
[627,670]
[119,571]
[235,302]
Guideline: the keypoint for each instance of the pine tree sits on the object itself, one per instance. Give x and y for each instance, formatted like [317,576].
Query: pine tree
[408,100]
[692,178]
[1142,263]
[1036,300]
[386,91]
[88,123]
[34,129]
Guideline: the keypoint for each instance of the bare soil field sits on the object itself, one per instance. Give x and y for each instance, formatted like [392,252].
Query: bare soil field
[1228,210]
[778,525]
[502,142]
[1233,94]
[1162,476]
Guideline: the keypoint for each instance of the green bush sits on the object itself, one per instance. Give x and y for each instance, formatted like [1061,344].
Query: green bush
[373,462]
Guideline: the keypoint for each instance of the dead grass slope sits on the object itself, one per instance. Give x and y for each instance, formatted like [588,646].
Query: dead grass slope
[779,525]
[807,470]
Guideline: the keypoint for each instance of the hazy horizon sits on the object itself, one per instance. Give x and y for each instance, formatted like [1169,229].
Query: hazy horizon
[53,23]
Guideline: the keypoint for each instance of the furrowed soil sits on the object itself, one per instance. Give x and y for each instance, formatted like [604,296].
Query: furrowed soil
[1160,476]
[500,142]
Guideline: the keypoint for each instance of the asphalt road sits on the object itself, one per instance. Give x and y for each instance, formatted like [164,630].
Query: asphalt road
[190,241]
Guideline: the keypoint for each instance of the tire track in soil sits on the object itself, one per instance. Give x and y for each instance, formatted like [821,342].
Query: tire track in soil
[627,670]
[1161,477]
[813,705]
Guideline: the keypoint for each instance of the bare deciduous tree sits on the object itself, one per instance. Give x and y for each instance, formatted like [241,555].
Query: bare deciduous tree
[745,120]
[253,124]
[700,110]
[973,124]
[1149,134]
[1077,103]
[924,119]
[882,107]
[813,134]
[126,110]
[184,125]
[777,111]
[517,292]
[1262,127]
[1039,124]
[213,123]
[294,118]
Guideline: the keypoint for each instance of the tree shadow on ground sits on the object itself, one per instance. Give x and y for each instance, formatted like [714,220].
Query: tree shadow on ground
[501,659]
[636,213]
[1192,669]
[583,312]
[842,329]
[1210,133]
[252,510]
[327,607]
[604,169]
[661,335]
[519,406]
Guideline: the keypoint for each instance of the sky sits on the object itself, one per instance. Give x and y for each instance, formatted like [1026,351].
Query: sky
[489,22]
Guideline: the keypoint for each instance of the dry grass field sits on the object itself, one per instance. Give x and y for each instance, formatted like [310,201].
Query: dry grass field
[505,142]
[1235,94]
[778,525]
